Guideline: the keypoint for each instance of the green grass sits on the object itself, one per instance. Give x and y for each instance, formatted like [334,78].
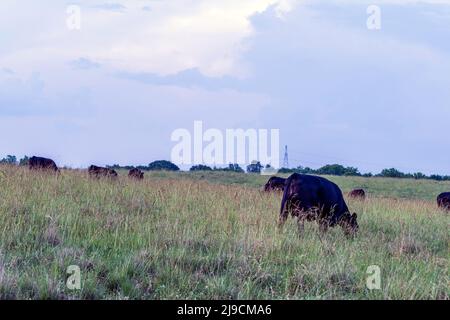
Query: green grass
[376,187]
[210,236]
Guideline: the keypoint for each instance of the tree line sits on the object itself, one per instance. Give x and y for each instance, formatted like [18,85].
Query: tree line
[340,170]
[257,167]
[9,159]
[329,169]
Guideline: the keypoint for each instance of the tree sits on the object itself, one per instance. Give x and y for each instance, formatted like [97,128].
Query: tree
[392,173]
[419,175]
[436,177]
[332,169]
[9,160]
[285,170]
[162,165]
[119,167]
[352,171]
[338,170]
[254,167]
[305,170]
[200,167]
[24,161]
[233,167]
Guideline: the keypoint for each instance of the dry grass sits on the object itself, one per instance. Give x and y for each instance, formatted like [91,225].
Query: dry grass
[173,237]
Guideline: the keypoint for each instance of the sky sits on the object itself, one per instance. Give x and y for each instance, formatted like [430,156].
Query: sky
[115,89]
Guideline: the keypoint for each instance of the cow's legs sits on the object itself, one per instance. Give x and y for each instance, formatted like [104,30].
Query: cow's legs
[282,219]
[284,213]
[323,219]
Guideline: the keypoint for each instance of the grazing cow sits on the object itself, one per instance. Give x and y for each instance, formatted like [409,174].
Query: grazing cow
[275,184]
[99,172]
[136,174]
[443,200]
[358,194]
[315,198]
[39,163]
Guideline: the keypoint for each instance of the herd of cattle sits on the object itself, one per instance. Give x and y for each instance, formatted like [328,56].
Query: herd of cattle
[315,198]
[39,163]
[305,197]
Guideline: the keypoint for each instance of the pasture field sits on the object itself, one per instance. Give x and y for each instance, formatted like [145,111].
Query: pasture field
[213,235]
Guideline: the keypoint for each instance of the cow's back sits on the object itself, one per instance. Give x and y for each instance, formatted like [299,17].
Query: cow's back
[97,172]
[315,192]
[39,163]
[331,196]
[357,193]
[136,174]
[443,200]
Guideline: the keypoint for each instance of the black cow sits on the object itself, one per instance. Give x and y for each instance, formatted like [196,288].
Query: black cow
[358,194]
[39,163]
[99,172]
[443,200]
[316,198]
[275,184]
[136,174]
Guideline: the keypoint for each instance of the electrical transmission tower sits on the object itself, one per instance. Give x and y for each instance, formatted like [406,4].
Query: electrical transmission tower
[286,158]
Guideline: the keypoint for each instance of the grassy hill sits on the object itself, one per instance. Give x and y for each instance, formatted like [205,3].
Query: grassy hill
[212,235]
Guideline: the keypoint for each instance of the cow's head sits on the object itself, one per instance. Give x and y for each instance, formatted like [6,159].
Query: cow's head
[273,185]
[268,185]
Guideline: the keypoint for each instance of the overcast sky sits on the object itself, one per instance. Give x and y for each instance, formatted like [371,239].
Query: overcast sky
[115,90]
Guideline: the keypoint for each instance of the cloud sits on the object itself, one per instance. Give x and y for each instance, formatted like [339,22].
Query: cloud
[172,37]
[337,91]
[117,7]
[190,78]
[343,91]
[84,64]
[7,71]
[283,7]
[378,2]
[33,96]
[132,120]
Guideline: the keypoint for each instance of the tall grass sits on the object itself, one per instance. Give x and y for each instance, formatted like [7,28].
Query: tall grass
[209,236]
[375,186]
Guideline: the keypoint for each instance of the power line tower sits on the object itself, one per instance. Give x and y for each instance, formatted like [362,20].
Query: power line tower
[286,158]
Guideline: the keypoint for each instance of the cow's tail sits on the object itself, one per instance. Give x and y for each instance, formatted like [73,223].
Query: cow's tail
[284,212]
